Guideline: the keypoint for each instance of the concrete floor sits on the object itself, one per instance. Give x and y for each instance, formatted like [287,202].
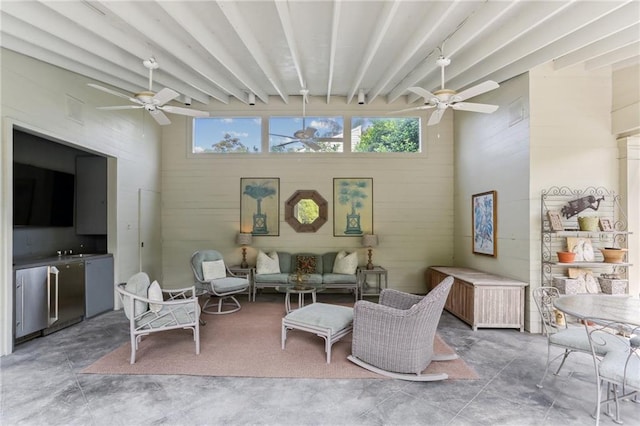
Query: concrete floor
[41,385]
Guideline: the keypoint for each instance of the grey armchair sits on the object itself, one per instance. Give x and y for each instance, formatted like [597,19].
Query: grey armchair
[224,285]
[395,337]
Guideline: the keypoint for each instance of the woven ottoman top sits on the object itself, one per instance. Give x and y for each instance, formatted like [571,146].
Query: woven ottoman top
[323,315]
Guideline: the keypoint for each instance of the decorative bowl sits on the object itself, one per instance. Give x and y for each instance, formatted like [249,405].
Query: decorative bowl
[588,223]
[613,255]
[566,256]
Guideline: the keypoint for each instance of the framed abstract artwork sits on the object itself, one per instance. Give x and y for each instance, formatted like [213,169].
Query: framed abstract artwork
[484,223]
[259,206]
[352,207]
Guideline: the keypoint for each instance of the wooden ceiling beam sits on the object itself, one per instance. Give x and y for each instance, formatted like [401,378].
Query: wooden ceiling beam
[129,53]
[385,21]
[188,19]
[246,35]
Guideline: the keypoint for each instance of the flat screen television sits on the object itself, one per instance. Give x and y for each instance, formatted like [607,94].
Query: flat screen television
[42,197]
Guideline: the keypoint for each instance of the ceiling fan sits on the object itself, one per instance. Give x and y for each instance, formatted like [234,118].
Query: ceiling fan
[307,135]
[154,103]
[444,98]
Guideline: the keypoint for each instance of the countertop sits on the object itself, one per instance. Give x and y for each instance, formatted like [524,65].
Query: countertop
[33,261]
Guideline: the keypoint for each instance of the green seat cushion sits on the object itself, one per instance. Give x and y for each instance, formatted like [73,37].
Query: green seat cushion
[224,285]
[330,278]
[323,315]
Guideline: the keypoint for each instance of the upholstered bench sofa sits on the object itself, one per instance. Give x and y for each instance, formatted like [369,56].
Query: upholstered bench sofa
[333,270]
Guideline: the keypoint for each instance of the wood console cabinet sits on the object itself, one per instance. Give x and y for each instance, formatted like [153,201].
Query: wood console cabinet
[481,299]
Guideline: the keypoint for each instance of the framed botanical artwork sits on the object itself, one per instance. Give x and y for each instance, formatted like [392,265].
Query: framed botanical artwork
[582,247]
[484,223]
[555,220]
[606,224]
[259,206]
[352,207]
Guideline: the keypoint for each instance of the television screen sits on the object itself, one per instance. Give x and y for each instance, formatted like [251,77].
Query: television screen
[42,197]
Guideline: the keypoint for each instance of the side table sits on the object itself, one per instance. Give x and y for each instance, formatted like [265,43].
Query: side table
[374,288]
[300,291]
[241,272]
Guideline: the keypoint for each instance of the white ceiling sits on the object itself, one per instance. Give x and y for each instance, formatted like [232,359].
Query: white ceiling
[213,51]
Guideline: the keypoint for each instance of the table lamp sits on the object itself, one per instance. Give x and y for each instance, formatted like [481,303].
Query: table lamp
[369,241]
[243,239]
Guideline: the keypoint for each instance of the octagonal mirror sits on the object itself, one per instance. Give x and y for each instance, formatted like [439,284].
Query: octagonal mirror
[305,211]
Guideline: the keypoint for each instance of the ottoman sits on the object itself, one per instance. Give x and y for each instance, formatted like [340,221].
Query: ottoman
[331,322]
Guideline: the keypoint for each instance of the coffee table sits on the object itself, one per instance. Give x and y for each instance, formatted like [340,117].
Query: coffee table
[301,291]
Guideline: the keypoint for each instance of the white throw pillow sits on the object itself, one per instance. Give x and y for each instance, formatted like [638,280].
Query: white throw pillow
[155,293]
[213,270]
[345,263]
[267,263]
[138,284]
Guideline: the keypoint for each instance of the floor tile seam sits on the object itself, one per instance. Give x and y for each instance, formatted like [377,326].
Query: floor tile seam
[491,380]
[79,386]
[375,407]
[436,406]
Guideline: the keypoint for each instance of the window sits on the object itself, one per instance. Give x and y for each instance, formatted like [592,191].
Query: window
[371,134]
[306,134]
[227,135]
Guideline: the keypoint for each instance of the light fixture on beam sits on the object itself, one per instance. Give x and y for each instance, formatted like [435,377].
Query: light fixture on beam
[252,98]
[361,97]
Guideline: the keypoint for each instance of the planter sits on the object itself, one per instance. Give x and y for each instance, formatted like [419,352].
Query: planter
[613,286]
[613,255]
[588,223]
[566,256]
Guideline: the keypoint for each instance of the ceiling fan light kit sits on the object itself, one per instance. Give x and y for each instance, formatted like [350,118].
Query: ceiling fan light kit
[154,103]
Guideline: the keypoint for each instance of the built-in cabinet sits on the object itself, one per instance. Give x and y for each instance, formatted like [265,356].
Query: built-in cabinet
[91,195]
[98,285]
[54,293]
[562,210]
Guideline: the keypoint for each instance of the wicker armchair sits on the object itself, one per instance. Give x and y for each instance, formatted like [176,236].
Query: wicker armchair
[395,337]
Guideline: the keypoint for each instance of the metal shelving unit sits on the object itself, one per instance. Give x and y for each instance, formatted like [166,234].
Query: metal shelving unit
[565,200]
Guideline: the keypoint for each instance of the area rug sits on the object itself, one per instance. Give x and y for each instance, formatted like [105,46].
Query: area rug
[247,344]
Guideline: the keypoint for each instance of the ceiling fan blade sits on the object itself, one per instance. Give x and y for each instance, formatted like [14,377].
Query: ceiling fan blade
[436,116]
[422,92]
[418,108]
[120,107]
[470,106]
[310,144]
[113,92]
[164,96]
[476,90]
[281,136]
[159,117]
[184,111]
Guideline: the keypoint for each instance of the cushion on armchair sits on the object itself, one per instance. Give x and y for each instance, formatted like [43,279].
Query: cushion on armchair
[155,293]
[138,284]
[213,270]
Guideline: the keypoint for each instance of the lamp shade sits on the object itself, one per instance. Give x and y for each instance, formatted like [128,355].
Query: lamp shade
[369,240]
[243,239]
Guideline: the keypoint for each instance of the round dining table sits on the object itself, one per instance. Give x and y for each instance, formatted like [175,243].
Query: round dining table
[619,308]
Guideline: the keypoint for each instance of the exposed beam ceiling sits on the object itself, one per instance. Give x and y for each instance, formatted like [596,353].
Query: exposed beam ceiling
[213,51]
